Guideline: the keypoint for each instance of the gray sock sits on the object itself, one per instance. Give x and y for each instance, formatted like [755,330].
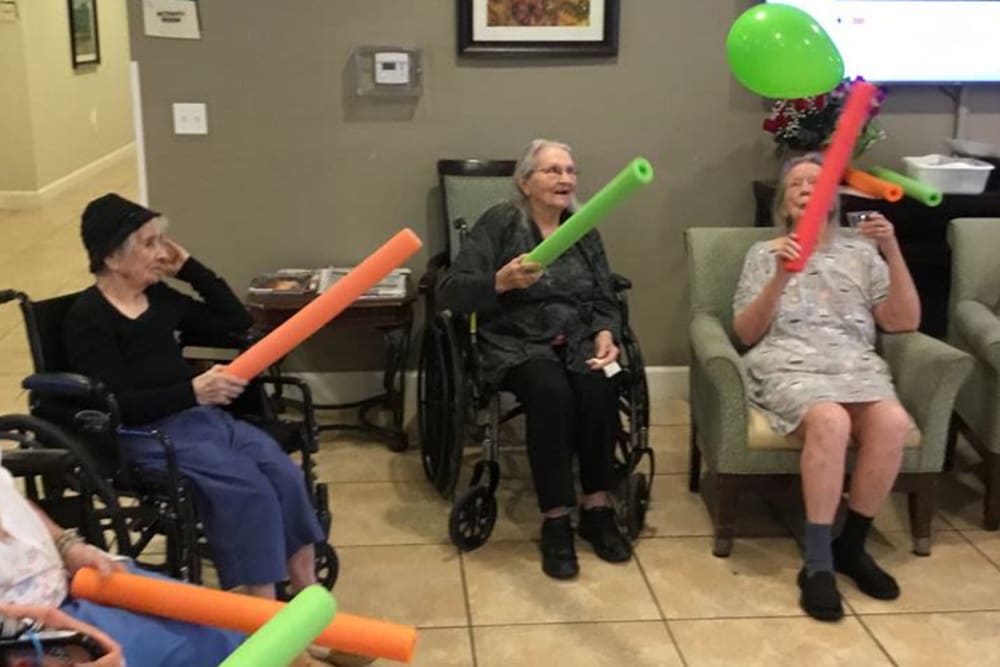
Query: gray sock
[819,556]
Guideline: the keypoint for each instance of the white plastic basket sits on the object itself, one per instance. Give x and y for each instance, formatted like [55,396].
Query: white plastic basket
[950,175]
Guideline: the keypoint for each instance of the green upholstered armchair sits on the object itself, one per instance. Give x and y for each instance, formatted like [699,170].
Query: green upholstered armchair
[740,451]
[974,326]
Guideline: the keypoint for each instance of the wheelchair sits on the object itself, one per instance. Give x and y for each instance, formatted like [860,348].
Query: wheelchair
[456,410]
[76,414]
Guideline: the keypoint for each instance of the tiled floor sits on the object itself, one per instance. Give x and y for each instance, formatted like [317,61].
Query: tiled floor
[674,604]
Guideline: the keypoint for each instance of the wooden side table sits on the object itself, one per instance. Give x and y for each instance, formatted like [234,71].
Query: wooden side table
[392,317]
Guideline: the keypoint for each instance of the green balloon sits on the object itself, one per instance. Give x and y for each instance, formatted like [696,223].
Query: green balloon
[780,51]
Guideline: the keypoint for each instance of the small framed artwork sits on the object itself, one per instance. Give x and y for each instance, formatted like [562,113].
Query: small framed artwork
[83,38]
[538,28]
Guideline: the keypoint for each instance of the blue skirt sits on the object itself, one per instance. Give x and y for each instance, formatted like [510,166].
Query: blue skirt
[249,495]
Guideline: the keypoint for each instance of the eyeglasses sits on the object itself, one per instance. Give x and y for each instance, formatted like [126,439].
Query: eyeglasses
[556,170]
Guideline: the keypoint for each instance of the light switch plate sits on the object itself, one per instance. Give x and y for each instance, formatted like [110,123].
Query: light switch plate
[190,118]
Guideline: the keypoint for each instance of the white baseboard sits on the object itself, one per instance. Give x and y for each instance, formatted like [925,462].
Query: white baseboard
[665,383]
[28,199]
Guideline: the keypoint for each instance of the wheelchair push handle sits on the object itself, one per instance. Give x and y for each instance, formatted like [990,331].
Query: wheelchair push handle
[8,295]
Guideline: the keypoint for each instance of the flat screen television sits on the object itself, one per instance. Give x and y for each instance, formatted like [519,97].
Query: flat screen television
[913,41]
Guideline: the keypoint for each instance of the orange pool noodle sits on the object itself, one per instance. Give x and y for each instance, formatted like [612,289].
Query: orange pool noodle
[242,613]
[864,182]
[835,161]
[326,306]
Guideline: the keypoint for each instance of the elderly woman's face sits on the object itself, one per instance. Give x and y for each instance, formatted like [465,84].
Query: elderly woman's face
[140,260]
[552,181]
[799,184]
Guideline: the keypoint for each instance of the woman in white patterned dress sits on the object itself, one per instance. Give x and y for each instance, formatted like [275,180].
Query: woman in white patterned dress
[813,370]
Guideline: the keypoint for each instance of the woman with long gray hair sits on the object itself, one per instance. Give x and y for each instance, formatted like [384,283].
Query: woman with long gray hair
[548,336]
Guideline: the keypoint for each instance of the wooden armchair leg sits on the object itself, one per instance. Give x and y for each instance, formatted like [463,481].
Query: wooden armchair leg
[991,502]
[694,461]
[921,509]
[726,496]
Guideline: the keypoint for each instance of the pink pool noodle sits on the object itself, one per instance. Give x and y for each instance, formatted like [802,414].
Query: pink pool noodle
[835,161]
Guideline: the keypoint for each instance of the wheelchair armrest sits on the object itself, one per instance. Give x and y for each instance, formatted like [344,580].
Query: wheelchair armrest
[620,282]
[29,462]
[435,265]
[230,340]
[170,454]
[308,411]
[64,385]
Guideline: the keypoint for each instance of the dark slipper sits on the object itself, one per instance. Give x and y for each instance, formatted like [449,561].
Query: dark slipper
[871,579]
[820,597]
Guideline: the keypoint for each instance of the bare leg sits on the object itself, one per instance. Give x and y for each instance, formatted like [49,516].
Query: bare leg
[825,428]
[880,428]
[598,499]
[260,590]
[302,568]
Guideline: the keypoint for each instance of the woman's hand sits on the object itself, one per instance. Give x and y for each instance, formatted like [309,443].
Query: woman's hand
[517,274]
[176,255]
[81,555]
[786,249]
[216,387]
[605,351]
[877,227]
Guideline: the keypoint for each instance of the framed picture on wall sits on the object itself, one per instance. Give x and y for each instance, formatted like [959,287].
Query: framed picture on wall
[84,41]
[538,28]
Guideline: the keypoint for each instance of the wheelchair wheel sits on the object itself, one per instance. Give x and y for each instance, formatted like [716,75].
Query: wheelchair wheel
[441,398]
[472,518]
[96,507]
[327,571]
[636,504]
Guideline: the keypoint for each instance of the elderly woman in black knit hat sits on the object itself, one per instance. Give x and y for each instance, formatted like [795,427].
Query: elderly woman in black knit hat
[251,498]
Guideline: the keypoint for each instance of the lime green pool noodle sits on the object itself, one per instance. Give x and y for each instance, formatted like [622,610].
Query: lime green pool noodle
[289,632]
[638,172]
[922,192]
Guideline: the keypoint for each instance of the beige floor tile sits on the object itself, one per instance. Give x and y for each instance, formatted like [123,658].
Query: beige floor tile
[439,647]
[349,459]
[955,577]
[670,446]
[415,585]
[672,412]
[644,644]
[15,357]
[368,514]
[506,585]
[988,542]
[12,397]
[674,511]
[776,642]
[930,640]
[758,579]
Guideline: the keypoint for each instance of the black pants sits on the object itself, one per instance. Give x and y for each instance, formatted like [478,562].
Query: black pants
[566,413]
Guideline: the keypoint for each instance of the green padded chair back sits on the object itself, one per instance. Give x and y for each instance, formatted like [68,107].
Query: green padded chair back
[715,260]
[975,261]
[468,188]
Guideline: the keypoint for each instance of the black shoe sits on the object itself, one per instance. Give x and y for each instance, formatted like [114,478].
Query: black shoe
[558,550]
[869,577]
[820,597]
[599,526]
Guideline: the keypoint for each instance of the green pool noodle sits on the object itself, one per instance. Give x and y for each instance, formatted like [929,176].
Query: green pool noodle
[638,172]
[922,192]
[289,632]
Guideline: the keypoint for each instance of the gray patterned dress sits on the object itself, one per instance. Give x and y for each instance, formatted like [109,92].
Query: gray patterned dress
[821,343]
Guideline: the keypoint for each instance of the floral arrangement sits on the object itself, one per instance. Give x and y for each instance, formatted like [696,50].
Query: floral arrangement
[807,123]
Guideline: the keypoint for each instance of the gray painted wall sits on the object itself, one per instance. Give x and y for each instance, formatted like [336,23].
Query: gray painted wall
[294,172]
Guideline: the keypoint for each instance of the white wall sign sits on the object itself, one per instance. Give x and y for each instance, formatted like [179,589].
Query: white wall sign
[177,19]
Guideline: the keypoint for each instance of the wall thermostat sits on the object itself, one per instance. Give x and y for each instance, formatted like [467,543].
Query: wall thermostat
[392,68]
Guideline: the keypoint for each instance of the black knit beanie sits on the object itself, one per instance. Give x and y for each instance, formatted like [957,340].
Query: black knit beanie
[107,222]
